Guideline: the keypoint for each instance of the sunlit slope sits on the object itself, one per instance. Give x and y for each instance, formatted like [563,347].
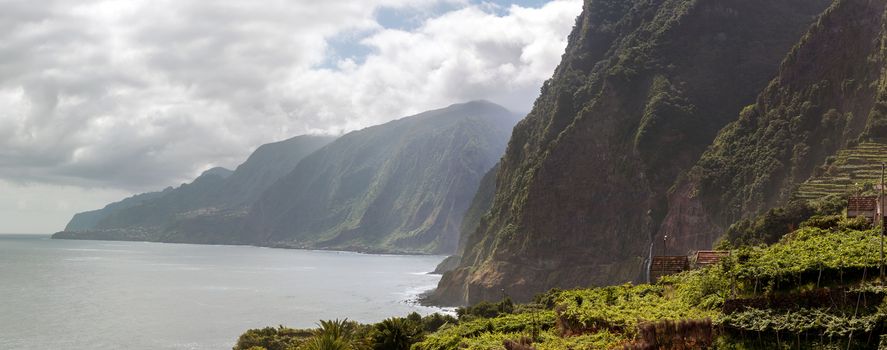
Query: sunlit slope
[847,171]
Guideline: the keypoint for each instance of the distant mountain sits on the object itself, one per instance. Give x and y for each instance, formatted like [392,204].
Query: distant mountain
[193,212]
[642,90]
[269,163]
[88,220]
[403,186]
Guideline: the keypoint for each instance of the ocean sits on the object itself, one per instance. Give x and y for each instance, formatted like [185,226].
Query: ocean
[66,294]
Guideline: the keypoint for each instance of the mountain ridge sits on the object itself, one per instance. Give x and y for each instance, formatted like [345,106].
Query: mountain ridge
[154,215]
[399,187]
[427,166]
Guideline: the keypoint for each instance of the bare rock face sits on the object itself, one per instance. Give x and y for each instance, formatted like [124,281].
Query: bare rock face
[687,226]
[642,90]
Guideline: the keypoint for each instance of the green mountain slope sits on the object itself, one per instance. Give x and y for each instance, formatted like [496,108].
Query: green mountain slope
[199,212]
[850,170]
[403,186]
[266,165]
[89,219]
[828,96]
[641,91]
[816,288]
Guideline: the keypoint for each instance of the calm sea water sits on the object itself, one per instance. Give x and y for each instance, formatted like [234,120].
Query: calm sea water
[58,294]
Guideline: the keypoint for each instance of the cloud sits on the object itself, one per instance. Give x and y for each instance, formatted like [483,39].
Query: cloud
[137,95]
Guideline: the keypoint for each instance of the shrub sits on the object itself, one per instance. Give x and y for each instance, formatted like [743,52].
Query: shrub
[769,227]
[825,222]
[433,322]
[271,338]
[486,309]
[549,298]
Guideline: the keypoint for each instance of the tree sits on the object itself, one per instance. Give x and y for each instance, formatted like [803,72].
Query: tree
[333,335]
[395,334]
[327,342]
[271,338]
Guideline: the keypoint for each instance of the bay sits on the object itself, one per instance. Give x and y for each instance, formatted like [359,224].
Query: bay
[66,294]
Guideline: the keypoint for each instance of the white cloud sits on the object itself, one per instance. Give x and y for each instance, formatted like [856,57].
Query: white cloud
[141,94]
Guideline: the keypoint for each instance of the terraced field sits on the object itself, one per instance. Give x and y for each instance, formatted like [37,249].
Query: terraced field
[849,171]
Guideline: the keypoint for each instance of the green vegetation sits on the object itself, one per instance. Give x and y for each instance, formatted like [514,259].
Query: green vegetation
[851,170]
[206,210]
[391,334]
[403,186]
[814,288]
[396,334]
[400,187]
[770,226]
[808,250]
[805,118]
[486,309]
[270,338]
[642,90]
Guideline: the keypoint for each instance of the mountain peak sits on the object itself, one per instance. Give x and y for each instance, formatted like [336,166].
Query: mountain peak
[217,171]
[478,106]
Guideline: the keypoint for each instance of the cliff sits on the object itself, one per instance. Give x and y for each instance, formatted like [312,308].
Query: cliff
[641,91]
[825,108]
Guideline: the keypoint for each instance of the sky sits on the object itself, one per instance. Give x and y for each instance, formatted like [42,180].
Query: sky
[102,99]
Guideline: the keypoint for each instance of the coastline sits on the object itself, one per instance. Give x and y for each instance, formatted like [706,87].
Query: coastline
[67,235]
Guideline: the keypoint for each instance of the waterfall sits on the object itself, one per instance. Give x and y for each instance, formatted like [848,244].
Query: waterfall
[649,260]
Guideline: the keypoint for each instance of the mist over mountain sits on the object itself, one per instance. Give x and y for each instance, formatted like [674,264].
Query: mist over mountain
[216,197]
[403,186]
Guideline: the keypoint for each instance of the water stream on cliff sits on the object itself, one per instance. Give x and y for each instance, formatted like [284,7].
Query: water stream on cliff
[649,261]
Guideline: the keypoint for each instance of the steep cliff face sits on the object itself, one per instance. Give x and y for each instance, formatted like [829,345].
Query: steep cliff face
[642,89]
[403,186]
[829,95]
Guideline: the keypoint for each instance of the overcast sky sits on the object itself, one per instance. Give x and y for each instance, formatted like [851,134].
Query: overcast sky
[103,99]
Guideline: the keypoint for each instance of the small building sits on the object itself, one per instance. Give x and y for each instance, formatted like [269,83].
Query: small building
[705,258]
[866,206]
[667,265]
